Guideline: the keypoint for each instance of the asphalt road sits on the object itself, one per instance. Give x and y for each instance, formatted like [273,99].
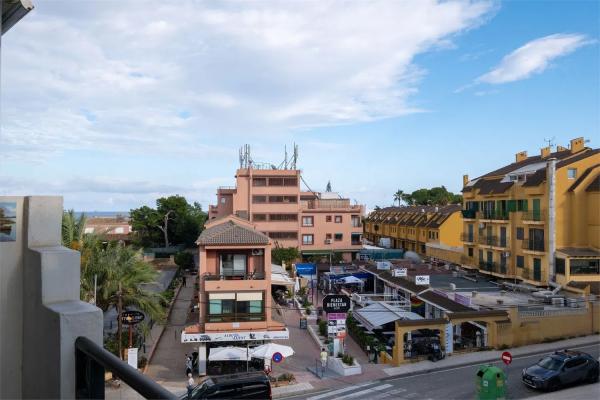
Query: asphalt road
[452,383]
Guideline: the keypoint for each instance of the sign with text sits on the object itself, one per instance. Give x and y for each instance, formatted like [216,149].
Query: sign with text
[506,357]
[132,317]
[384,265]
[422,279]
[306,269]
[234,336]
[337,316]
[132,357]
[336,303]
[400,272]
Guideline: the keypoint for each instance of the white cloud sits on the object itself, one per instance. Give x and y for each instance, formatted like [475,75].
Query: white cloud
[187,78]
[533,58]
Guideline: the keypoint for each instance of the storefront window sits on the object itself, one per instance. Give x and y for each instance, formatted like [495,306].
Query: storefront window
[232,307]
[585,266]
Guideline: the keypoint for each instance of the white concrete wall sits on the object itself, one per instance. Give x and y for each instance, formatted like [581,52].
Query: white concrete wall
[40,308]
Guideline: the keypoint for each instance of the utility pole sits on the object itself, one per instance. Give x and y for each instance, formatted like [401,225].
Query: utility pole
[120,324]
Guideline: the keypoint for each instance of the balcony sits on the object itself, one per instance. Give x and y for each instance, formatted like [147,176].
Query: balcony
[533,245]
[488,240]
[493,215]
[467,238]
[239,317]
[234,275]
[533,217]
[469,214]
[489,266]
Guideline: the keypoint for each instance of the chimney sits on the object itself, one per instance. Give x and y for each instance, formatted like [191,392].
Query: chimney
[465,180]
[561,148]
[521,156]
[577,145]
[545,152]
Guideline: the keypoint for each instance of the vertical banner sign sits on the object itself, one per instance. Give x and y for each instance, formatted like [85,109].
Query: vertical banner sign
[132,357]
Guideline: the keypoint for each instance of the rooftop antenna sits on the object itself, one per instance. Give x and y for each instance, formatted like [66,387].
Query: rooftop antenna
[294,157]
[550,141]
[285,160]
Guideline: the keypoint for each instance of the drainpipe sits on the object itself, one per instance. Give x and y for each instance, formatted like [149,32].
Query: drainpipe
[551,174]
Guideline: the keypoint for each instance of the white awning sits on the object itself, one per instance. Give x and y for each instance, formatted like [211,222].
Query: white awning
[222,296]
[229,353]
[378,314]
[249,296]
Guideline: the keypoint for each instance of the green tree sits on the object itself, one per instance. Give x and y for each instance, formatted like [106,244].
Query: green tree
[73,229]
[286,255]
[111,264]
[174,221]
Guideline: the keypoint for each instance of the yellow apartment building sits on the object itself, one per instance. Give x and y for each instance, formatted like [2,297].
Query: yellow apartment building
[537,219]
[416,228]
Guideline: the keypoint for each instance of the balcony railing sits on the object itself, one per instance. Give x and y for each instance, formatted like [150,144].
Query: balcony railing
[488,240]
[91,361]
[233,275]
[533,245]
[533,216]
[489,266]
[469,213]
[235,317]
[493,215]
[466,237]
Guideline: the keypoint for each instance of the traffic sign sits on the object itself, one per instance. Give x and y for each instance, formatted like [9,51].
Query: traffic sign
[336,303]
[506,357]
[277,357]
[132,317]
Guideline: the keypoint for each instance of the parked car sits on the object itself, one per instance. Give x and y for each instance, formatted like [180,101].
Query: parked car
[560,369]
[246,385]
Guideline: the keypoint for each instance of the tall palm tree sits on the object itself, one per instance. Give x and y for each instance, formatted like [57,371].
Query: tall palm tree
[73,229]
[115,264]
[399,196]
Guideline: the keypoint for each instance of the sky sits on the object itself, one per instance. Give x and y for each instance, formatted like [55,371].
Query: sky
[113,104]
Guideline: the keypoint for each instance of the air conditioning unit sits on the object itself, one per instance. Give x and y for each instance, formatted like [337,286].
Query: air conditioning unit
[507,254]
[328,241]
[481,225]
[257,252]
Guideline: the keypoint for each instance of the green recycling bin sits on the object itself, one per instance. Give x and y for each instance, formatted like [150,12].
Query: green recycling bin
[491,383]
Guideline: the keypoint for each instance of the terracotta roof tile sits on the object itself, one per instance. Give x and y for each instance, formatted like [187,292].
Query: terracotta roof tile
[229,233]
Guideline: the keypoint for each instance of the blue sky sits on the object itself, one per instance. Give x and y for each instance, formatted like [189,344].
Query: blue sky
[112,106]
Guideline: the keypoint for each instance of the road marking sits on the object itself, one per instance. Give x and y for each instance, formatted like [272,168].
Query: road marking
[333,393]
[363,392]
[481,362]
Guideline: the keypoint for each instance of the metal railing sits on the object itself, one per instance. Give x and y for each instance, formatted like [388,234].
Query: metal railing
[533,245]
[234,276]
[91,361]
[493,215]
[466,237]
[469,213]
[533,216]
[488,240]
[489,266]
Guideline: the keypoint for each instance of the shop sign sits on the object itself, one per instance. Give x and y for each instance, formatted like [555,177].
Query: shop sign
[422,279]
[132,317]
[400,272]
[132,357]
[234,336]
[337,316]
[337,270]
[336,303]
[384,265]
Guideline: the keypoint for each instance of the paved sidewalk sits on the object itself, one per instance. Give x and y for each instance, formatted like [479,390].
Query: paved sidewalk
[583,392]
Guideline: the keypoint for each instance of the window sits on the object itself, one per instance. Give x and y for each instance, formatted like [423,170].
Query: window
[307,239]
[290,182]
[283,235]
[470,251]
[328,218]
[559,265]
[259,199]
[338,237]
[283,199]
[259,182]
[355,238]
[223,200]
[308,221]
[275,181]
[520,234]
[520,261]
[328,236]
[583,266]
[356,221]
[522,205]
[259,217]
[230,306]
[283,217]
[233,264]
[572,173]
[338,219]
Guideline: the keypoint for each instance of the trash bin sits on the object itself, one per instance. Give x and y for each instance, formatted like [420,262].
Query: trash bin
[491,383]
[303,323]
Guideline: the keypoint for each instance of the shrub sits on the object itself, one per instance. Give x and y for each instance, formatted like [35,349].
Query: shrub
[142,362]
[348,359]
[323,328]
[286,377]
[308,311]
[184,259]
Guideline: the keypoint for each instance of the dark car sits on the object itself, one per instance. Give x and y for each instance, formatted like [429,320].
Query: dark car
[562,368]
[246,385]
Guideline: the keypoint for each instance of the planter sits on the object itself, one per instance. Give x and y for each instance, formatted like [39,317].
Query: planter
[284,383]
[337,365]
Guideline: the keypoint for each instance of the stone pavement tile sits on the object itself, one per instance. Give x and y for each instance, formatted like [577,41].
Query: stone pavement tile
[582,392]
[296,388]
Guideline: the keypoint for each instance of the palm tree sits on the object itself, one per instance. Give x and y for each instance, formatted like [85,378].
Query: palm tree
[115,264]
[399,196]
[73,229]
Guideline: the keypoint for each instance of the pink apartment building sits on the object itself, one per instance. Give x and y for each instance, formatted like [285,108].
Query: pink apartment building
[271,198]
[234,296]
